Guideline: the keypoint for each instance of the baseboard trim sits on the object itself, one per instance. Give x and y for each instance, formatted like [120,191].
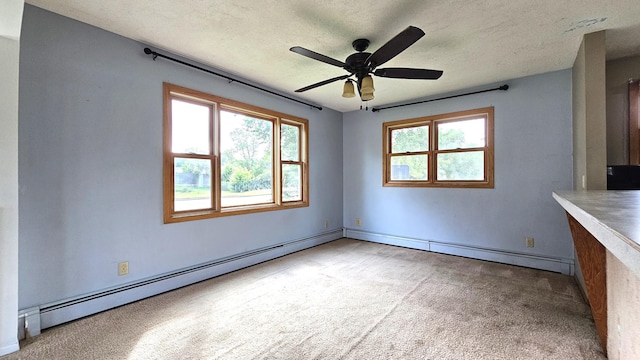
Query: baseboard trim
[66,310]
[555,264]
[8,349]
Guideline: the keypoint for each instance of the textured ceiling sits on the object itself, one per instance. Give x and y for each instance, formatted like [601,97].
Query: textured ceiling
[473,42]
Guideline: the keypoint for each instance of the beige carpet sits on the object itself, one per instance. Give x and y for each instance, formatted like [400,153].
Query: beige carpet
[344,300]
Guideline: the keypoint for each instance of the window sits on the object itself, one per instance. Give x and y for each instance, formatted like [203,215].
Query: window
[448,150]
[223,157]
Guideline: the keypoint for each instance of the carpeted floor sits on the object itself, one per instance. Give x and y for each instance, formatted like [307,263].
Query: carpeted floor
[343,300]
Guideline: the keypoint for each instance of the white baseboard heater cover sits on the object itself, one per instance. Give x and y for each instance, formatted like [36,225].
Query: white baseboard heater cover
[555,264]
[31,321]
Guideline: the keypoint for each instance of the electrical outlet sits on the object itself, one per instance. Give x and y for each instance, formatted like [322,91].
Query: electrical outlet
[123,268]
[326,224]
[529,242]
[358,222]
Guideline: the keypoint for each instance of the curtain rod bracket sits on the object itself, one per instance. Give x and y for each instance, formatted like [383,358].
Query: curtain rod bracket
[151,52]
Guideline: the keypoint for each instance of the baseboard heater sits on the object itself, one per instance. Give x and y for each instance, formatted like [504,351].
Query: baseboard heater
[31,321]
[555,264]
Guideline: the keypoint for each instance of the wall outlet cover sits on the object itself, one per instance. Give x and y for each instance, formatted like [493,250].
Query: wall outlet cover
[529,242]
[123,268]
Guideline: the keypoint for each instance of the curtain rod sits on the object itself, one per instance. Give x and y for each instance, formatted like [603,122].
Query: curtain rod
[504,87]
[230,79]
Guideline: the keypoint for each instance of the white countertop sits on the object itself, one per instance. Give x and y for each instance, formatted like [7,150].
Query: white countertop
[611,216]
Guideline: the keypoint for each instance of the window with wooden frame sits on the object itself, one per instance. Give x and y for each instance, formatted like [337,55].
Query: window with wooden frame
[223,157]
[447,150]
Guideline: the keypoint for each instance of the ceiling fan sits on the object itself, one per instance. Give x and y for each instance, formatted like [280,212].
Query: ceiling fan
[362,64]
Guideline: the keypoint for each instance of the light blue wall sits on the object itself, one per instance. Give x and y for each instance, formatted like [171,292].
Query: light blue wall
[532,159]
[90,166]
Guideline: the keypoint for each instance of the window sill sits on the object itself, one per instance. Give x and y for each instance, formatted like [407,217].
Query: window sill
[442,184]
[237,210]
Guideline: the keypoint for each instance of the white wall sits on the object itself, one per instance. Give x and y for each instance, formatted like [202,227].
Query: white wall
[532,159]
[91,166]
[589,114]
[9,50]
[10,20]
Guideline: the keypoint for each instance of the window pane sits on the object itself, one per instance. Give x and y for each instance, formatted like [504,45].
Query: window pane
[290,143]
[189,127]
[246,156]
[410,139]
[192,184]
[409,167]
[291,182]
[461,166]
[461,134]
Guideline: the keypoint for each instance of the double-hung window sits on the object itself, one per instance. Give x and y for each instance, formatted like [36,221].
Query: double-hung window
[223,157]
[448,150]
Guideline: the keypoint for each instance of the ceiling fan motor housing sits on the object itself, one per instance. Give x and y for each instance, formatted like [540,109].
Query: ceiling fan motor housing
[355,64]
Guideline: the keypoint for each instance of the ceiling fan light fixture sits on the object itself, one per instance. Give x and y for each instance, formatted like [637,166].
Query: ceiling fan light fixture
[366,96]
[348,91]
[366,88]
[367,85]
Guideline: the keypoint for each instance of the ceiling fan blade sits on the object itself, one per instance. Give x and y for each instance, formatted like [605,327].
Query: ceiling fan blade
[408,73]
[325,82]
[394,46]
[314,55]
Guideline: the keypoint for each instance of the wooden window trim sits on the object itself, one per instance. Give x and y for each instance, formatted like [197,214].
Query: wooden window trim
[303,151]
[433,121]
[218,104]
[634,122]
